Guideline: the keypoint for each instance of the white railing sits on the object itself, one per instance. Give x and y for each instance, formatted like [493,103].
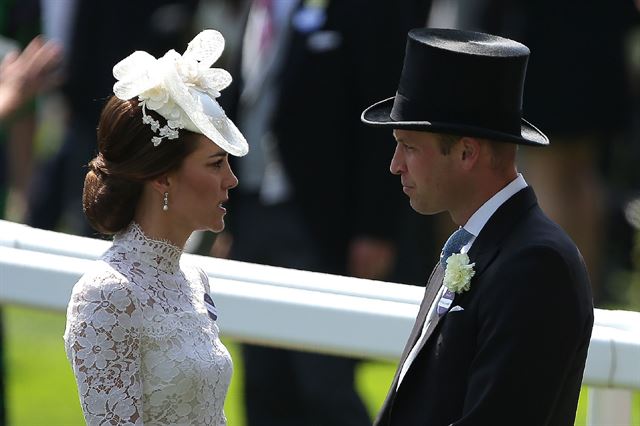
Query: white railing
[307,310]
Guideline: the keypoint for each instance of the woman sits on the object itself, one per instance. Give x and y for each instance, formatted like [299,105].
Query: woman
[141,334]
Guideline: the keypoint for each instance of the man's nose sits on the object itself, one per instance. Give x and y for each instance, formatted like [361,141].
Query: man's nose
[397,164]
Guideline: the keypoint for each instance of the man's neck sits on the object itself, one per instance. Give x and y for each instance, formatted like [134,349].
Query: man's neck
[478,195]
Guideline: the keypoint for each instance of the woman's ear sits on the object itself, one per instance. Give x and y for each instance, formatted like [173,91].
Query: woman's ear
[161,183]
[469,152]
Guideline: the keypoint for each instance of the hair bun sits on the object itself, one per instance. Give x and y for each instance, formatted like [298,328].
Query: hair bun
[108,200]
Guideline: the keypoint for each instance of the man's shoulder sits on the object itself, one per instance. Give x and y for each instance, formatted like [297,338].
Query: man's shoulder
[539,250]
[530,244]
[537,232]
[539,265]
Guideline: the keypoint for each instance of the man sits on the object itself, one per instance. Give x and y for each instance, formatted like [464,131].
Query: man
[501,336]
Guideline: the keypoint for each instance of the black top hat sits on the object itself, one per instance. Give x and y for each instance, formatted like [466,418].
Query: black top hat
[460,82]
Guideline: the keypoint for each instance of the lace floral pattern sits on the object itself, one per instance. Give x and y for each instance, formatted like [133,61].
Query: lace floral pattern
[142,347]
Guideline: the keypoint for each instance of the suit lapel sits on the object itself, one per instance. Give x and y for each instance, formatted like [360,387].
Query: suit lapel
[437,285]
[431,290]
[487,245]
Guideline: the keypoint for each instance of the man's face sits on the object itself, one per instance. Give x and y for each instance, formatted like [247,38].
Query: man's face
[425,172]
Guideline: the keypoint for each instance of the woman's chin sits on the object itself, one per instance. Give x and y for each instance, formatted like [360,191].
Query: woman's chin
[217,227]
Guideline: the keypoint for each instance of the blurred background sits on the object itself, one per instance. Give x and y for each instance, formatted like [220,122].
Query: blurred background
[314,193]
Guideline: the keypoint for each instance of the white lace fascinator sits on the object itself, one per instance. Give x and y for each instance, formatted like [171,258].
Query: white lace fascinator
[182,89]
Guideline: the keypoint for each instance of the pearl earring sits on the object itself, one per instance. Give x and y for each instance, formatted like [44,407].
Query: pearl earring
[165,202]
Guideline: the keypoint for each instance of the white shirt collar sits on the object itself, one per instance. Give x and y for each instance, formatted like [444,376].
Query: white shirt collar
[480,218]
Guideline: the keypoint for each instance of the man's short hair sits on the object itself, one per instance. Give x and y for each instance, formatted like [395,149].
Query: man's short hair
[501,151]
[446,142]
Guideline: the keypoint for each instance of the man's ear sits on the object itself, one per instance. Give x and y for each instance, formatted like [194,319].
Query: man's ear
[469,152]
[161,183]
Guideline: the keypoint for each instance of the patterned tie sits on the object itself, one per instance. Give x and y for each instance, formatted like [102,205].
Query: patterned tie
[454,244]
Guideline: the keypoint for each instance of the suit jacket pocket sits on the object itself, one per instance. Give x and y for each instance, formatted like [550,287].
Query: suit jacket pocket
[455,339]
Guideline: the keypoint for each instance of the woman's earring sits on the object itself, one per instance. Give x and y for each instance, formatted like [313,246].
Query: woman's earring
[165,202]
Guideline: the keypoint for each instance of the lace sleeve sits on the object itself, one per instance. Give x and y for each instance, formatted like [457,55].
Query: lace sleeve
[103,345]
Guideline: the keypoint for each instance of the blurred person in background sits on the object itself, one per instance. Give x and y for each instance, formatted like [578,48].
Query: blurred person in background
[97,40]
[314,193]
[578,61]
[32,73]
[228,17]
[23,75]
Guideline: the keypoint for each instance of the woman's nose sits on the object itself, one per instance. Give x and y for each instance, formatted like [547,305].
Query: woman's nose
[231,180]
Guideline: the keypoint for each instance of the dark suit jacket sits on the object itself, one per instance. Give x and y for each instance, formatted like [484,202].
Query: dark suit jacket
[337,166]
[515,354]
[98,42]
[578,47]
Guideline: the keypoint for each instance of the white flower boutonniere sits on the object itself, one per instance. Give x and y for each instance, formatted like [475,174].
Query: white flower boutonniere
[458,274]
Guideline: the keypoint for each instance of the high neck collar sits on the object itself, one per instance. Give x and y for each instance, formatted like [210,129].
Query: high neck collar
[160,254]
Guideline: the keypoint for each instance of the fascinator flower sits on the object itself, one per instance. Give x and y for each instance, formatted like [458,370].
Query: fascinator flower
[182,89]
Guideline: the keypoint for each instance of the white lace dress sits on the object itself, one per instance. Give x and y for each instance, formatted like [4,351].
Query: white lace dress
[143,347]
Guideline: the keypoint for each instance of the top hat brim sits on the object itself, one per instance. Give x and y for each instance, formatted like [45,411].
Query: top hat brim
[379,114]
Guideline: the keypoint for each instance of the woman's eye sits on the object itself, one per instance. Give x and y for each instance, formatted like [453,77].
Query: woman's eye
[217,164]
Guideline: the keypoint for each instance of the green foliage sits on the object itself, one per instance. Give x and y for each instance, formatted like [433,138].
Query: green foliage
[40,385]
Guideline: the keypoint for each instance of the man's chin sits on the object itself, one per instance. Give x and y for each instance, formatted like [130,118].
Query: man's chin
[424,210]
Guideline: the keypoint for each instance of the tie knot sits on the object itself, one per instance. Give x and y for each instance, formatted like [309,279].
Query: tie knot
[454,244]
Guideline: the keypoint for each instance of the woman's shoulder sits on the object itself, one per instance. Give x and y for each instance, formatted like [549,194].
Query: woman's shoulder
[101,277]
[195,274]
[101,298]
[98,295]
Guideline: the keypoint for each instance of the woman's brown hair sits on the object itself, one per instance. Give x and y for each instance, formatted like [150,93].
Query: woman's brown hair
[126,159]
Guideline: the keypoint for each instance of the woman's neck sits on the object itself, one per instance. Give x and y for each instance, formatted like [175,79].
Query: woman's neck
[162,226]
